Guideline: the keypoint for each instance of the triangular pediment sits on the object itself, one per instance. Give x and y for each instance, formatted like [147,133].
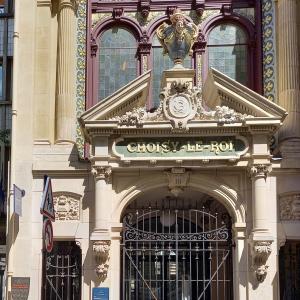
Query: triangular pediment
[221,90]
[132,95]
[222,101]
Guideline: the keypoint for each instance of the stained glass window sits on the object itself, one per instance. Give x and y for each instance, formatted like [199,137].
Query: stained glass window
[227,51]
[117,60]
[160,63]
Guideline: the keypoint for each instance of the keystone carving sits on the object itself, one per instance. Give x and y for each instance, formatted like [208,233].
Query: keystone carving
[260,170]
[102,172]
[66,206]
[101,253]
[261,250]
[178,180]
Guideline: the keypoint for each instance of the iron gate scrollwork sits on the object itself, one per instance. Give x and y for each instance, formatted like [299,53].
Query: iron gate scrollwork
[62,272]
[176,254]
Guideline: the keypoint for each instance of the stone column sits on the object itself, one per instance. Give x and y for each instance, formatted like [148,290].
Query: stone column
[65,90]
[289,76]
[261,239]
[259,193]
[102,176]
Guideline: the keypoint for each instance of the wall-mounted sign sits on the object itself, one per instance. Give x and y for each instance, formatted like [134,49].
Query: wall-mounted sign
[101,293]
[20,288]
[48,235]
[18,195]
[47,206]
[212,147]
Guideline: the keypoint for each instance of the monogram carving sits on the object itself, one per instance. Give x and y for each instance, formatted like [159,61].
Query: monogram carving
[289,207]
[66,206]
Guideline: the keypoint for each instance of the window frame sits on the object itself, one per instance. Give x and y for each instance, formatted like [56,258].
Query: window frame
[99,49]
[253,56]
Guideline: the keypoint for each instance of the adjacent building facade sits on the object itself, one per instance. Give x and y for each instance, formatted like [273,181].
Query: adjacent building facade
[172,178]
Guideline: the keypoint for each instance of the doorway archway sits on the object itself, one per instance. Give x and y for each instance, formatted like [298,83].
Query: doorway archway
[176,248]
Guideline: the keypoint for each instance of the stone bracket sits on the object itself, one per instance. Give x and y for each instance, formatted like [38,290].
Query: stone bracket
[101,254]
[260,250]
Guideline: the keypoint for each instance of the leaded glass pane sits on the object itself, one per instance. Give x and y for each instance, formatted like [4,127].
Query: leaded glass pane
[117,60]
[227,52]
[227,34]
[160,63]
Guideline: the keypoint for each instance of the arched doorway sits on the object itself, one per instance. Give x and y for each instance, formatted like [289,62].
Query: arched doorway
[176,248]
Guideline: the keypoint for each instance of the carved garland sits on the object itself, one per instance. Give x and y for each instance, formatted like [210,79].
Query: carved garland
[101,253]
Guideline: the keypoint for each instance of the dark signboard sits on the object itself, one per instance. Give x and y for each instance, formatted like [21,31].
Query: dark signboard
[101,293]
[20,288]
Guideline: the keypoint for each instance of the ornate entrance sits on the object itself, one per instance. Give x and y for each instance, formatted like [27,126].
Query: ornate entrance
[174,252]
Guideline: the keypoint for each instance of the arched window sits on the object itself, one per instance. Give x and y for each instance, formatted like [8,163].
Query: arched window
[117,60]
[227,51]
[160,63]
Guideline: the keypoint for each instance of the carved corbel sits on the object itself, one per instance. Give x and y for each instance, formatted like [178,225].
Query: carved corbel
[261,250]
[226,9]
[260,170]
[178,180]
[144,7]
[117,13]
[198,6]
[101,254]
[102,172]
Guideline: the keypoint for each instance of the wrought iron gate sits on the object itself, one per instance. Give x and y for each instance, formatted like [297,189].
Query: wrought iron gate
[62,272]
[176,254]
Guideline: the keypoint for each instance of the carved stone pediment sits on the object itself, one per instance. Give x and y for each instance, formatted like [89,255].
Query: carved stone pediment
[179,105]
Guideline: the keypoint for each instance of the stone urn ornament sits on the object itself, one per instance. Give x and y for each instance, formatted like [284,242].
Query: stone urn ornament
[178,38]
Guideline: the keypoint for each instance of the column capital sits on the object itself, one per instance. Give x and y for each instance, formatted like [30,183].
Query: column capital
[102,173]
[67,3]
[259,170]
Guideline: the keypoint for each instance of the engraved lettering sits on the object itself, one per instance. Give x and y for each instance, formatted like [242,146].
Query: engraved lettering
[131,147]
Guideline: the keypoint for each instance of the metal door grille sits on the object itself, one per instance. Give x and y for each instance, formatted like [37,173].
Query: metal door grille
[176,254]
[62,272]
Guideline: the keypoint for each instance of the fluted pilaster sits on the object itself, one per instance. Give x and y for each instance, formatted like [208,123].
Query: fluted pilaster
[289,74]
[65,100]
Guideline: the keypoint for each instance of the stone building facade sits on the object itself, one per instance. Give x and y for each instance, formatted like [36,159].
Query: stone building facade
[168,182]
